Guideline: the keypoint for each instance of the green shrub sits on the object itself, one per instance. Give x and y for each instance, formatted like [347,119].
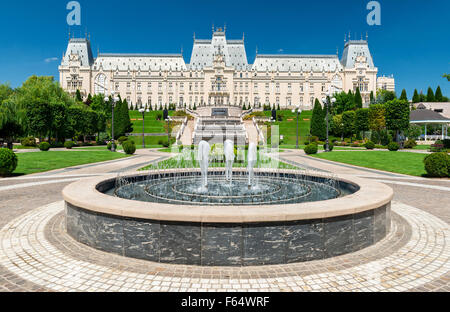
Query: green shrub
[28,142]
[8,161]
[69,144]
[355,144]
[122,139]
[330,146]
[370,145]
[44,146]
[393,146]
[437,165]
[311,149]
[410,144]
[446,143]
[165,143]
[129,147]
[109,145]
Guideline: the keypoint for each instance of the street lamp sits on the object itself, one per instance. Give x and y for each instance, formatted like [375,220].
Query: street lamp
[168,129]
[142,110]
[326,101]
[114,100]
[299,111]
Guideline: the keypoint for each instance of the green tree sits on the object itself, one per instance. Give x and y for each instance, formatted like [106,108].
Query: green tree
[372,98]
[362,120]
[447,76]
[337,127]
[11,116]
[397,116]
[318,126]
[348,121]
[403,96]
[422,97]
[88,101]
[344,102]
[78,96]
[384,96]
[430,95]
[377,120]
[416,98]
[358,99]
[438,95]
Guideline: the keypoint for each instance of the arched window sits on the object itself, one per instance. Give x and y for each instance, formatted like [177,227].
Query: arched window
[101,84]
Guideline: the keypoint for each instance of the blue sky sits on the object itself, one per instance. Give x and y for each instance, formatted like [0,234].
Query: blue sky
[412,43]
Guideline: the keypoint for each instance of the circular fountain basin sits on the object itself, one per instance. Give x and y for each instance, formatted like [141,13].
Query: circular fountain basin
[170,219]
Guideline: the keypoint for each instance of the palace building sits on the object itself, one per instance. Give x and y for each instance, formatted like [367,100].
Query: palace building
[219,74]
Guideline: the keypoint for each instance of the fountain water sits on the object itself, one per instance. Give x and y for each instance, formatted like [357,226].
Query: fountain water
[203,157]
[251,159]
[229,160]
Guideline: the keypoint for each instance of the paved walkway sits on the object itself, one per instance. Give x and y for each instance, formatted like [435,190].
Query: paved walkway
[37,254]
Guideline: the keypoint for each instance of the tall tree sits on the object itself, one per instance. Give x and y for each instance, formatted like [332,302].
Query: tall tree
[358,99]
[397,116]
[11,116]
[403,96]
[384,96]
[337,127]
[348,121]
[416,98]
[78,96]
[422,97]
[377,120]
[438,95]
[372,98]
[362,120]
[430,95]
[318,126]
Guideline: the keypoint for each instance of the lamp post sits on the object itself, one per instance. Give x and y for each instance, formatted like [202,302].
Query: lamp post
[299,111]
[142,110]
[114,100]
[168,130]
[326,101]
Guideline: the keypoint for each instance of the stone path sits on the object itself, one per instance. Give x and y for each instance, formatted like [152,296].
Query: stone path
[36,254]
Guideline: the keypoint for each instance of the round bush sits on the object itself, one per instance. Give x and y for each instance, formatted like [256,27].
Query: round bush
[44,146]
[370,145]
[437,165]
[129,147]
[28,142]
[330,146]
[311,149]
[69,144]
[393,146]
[410,144]
[8,161]
[122,139]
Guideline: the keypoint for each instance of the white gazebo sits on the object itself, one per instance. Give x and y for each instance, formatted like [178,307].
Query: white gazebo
[427,117]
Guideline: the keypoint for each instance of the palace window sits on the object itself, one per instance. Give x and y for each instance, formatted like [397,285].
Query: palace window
[159,86]
[289,87]
[301,87]
[267,100]
[139,86]
[117,86]
[311,87]
[278,88]
[255,87]
[170,87]
[181,86]
[267,87]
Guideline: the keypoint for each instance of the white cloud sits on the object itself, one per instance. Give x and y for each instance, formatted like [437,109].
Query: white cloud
[51,59]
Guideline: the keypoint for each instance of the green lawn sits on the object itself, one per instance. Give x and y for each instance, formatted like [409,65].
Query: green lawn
[404,163]
[151,124]
[35,162]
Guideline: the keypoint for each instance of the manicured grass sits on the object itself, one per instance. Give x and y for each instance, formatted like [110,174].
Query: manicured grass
[404,163]
[288,126]
[422,147]
[151,124]
[35,162]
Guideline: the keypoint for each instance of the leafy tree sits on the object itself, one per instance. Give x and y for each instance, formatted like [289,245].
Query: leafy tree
[78,96]
[384,96]
[358,99]
[318,126]
[348,121]
[362,120]
[88,100]
[413,131]
[438,95]
[430,95]
[337,127]
[372,98]
[447,76]
[416,98]
[403,96]
[397,116]
[11,120]
[344,102]
[377,120]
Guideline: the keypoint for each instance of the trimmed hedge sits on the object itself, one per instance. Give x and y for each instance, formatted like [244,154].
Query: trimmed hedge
[69,144]
[129,147]
[44,146]
[311,149]
[8,161]
[437,165]
[393,146]
[410,144]
[370,145]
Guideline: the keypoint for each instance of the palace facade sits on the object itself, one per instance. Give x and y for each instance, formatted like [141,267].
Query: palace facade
[219,75]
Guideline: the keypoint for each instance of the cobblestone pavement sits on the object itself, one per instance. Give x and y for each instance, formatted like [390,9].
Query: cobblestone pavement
[36,254]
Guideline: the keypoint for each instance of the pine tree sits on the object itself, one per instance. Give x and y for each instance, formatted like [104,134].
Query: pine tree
[430,95]
[416,98]
[358,99]
[350,105]
[78,96]
[318,126]
[372,97]
[438,95]
[422,97]
[404,96]
[88,100]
